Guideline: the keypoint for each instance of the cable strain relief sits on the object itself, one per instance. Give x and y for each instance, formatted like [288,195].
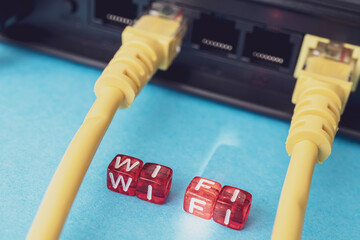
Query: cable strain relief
[312,128]
[316,118]
[130,70]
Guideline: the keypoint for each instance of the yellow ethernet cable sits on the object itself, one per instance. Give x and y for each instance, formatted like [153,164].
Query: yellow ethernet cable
[327,72]
[153,42]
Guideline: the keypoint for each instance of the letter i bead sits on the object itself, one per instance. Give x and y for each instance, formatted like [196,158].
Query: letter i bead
[154,183]
[232,207]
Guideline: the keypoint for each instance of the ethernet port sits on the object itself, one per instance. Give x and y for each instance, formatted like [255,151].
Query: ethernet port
[272,49]
[215,34]
[115,12]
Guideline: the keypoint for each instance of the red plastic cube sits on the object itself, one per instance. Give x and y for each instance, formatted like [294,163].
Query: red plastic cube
[232,207]
[154,183]
[200,197]
[123,173]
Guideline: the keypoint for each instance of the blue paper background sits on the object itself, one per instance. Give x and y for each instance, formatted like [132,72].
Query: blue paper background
[43,101]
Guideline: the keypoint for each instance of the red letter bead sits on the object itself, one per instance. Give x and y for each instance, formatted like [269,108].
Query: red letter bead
[154,183]
[123,173]
[200,197]
[232,207]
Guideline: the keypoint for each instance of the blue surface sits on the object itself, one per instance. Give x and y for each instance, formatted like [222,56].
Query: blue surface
[43,102]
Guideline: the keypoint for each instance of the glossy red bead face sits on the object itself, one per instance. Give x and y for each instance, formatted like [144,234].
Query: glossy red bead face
[232,207]
[123,173]
[200,197]
[154,183]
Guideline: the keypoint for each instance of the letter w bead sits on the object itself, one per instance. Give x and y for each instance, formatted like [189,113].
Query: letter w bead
[120,178]
[125,170]
[127,161]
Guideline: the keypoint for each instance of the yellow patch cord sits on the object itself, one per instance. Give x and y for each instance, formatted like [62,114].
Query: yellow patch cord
[150,44]
[327,72]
